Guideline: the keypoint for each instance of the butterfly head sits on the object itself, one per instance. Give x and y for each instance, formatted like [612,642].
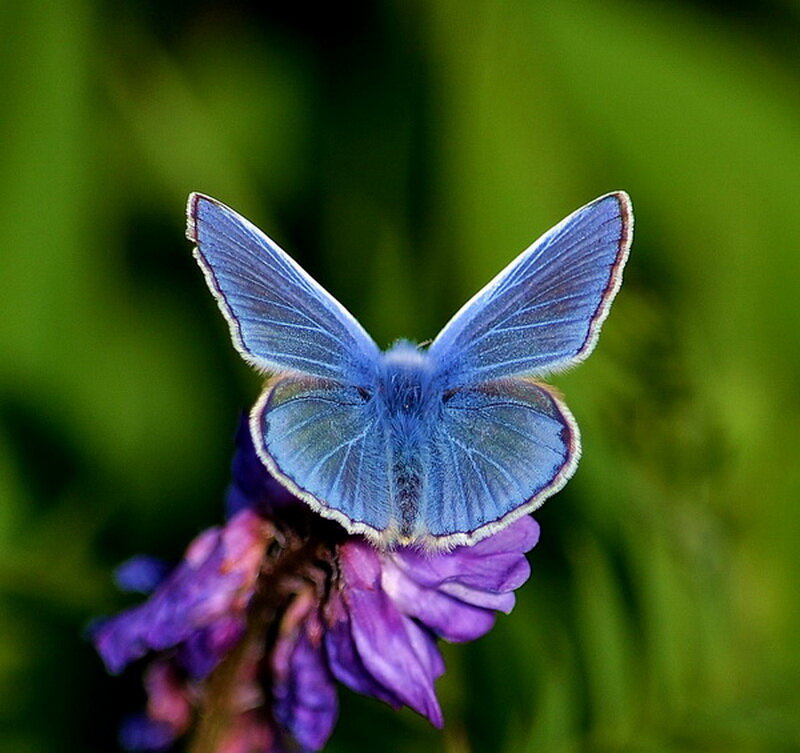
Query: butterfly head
[405,380]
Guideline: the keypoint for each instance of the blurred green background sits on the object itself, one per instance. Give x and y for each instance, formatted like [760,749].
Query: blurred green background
[404,152]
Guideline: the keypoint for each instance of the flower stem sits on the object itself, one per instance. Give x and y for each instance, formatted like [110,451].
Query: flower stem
[219,712]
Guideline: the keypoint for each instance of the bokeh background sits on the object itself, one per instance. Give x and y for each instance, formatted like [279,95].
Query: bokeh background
[404,152]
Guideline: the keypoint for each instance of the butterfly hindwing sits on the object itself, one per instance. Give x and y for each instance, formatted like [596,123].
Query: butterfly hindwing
[498,450]
[326,442]
[280,318]
[544,311]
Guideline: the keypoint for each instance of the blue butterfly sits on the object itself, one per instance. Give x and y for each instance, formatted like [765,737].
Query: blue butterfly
[436,447]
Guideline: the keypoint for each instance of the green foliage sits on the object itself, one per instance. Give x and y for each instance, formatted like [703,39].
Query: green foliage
[404,152]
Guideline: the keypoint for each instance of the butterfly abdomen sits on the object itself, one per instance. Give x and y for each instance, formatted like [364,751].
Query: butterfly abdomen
[407,478]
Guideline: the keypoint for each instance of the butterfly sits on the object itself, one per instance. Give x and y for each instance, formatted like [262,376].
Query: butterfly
[433,447]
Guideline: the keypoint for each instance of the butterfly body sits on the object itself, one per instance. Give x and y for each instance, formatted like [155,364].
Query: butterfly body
[436,446]
[411,402]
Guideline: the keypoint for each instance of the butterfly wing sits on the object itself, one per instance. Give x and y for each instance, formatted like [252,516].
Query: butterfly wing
[325,442]
[499,450]
[503,442]
[310,427]
[544,311]
[280,318]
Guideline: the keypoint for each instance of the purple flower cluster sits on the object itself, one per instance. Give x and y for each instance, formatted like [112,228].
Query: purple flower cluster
[251,630]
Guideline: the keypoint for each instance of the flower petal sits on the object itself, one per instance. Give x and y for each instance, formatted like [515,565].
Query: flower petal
[448,617]
[139,732]
[167,700]
[305,701]
[202,651]
[346,664]
[141,574]
[361,619]
[502,602]
[399,654]
[214,581]
[496,564]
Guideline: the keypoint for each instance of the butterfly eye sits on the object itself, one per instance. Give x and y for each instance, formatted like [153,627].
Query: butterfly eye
[447,395]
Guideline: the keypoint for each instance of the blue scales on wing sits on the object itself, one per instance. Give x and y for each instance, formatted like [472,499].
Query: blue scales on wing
[325,440]
[544,311]
[280,318]
[499,449]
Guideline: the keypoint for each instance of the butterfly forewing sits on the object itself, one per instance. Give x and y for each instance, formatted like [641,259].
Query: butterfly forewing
[544,311]
[280,318]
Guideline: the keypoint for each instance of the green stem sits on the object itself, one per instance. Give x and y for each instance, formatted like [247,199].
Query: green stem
[218,713]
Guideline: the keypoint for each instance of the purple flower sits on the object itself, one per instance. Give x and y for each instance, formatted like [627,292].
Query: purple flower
[265,613]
